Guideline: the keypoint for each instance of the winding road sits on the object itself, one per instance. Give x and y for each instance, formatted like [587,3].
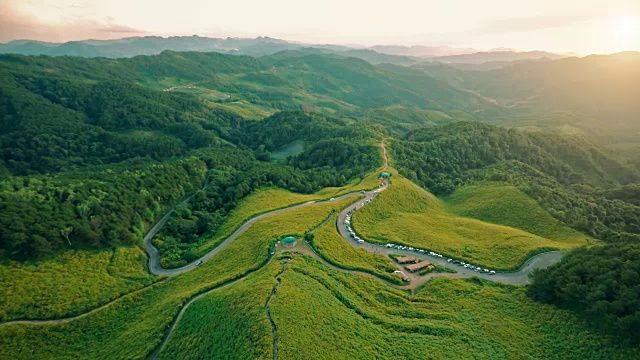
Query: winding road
[154,255]
[516,277]
[521,276]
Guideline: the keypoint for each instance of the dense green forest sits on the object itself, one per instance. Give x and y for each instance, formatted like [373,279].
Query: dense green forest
[90,208]
[92,122]
[601,283]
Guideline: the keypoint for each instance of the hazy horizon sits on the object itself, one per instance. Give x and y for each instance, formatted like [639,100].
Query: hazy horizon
[584,27]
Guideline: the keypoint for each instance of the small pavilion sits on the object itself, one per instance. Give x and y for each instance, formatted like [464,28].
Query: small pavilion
[289,241]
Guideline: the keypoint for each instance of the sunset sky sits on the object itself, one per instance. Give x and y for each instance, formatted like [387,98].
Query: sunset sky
[581,26]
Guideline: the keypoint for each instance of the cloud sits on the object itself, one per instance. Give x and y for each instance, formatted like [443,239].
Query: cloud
[16,25]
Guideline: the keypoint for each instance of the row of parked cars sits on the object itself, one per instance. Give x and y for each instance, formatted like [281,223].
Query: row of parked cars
[347,219]
[347,222]
[471,267]
[434,254]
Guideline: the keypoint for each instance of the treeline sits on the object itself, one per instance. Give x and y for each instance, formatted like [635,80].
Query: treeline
[600,283]
[91,208]
[564,174]
[582,207]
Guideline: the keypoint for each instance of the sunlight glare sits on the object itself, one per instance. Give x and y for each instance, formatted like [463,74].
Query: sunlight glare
[626,26]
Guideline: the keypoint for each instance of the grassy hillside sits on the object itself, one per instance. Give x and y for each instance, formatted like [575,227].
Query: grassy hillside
[70,284]
[406,214]
[261,201]
[506,205]
[322,314]
[229,323]
[331,246]
[133,326]
[564,174]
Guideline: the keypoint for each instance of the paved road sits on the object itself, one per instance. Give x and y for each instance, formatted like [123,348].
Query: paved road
[518,277]
[154,256]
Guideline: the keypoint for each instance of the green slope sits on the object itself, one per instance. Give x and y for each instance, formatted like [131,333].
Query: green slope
[506,205]
[322,314]
[406,214]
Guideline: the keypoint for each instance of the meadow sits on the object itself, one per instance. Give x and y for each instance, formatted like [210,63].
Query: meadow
[227,323]
[324,314]
[71,283]
[506,205]
[406,214]
[134,325]
[332,247]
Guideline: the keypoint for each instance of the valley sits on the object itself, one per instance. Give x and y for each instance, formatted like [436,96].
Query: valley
[279,201]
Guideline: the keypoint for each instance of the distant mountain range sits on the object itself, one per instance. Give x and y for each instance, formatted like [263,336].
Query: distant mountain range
[152,45]
[492,56]
[422,51]
[261,46]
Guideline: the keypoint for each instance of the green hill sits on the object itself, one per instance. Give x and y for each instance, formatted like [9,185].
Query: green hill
[405,214]
[323,314]
[506,205]
[562,173]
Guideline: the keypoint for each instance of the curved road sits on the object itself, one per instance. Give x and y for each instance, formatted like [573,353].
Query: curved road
[154,255]
[521,276]
[518,277]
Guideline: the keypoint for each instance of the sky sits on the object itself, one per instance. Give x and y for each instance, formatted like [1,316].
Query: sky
[563,26]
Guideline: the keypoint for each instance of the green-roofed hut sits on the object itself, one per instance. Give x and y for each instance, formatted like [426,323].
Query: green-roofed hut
[289,241]
[385,175]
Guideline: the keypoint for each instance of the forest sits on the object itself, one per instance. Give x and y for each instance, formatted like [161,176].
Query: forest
[600,283]
[90,157]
